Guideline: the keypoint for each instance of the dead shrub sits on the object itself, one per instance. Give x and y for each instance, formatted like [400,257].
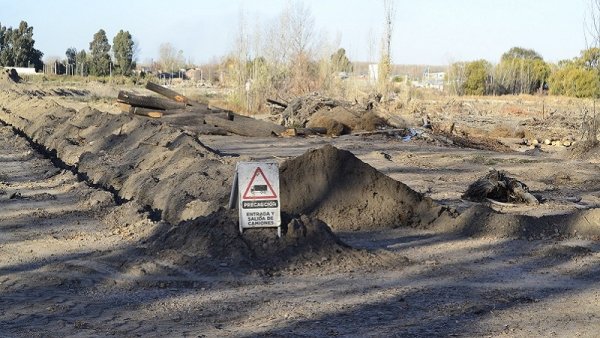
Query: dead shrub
[334,127]
[370,121]
[504,130]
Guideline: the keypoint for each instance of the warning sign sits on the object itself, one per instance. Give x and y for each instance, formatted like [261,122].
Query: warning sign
[258,199]
[259,187]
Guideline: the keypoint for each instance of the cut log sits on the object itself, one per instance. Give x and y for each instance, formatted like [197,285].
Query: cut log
[125,108]
[148,113]
[203,129]
[173,95]
[155,113]
[192,119]
[193,111]
[277,103]
[245,126]
[290,132]
[148,101]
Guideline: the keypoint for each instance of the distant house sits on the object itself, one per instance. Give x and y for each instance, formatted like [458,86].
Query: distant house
[433,80]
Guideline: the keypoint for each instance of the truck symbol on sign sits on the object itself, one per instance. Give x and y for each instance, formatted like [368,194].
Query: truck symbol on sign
[259,189]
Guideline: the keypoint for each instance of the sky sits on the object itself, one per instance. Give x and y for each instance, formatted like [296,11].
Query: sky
[434,32]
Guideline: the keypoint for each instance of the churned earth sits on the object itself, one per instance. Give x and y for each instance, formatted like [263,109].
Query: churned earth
[92,242]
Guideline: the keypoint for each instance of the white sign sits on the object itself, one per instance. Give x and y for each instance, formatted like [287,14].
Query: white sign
[258,195]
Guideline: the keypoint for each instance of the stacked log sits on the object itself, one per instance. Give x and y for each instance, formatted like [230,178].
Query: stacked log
[192,116]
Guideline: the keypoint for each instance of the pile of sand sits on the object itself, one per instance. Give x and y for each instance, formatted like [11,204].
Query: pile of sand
[213,244]
[348,194]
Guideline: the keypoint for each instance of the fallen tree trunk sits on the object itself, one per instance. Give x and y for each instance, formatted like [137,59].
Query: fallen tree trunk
[125,108]
[203,129]
[245,126]
[190,118]
[148,101]
[303,132]
[173,95]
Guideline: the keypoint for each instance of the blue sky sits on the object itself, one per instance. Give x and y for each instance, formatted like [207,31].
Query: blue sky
[425,31]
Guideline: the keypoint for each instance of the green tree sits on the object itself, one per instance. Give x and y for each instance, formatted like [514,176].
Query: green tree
[123,50]
[520,71]
[6,46]
[100,62]
[521,53]
[589,58]
[579,77]
[71,55]
[340,61]
[17,47]
[476,77]
[82,63]
[71,65]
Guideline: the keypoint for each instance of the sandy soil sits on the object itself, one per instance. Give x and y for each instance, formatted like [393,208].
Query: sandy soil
[66,248]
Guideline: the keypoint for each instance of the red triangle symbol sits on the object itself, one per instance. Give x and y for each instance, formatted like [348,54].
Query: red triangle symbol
[260,190]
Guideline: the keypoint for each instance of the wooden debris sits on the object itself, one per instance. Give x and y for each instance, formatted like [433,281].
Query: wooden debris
[173,95]
[148,101]
[290,132]
[277,103]
[198,118]
[498,186]
[245,126]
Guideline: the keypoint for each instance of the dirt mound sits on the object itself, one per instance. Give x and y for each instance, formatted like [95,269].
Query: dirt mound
[348,194]
[481,220]
[9,75]
[588,150]
[214,244]
[154,164]
[315,111]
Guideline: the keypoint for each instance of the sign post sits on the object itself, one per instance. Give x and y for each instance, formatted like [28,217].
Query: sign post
[258,195]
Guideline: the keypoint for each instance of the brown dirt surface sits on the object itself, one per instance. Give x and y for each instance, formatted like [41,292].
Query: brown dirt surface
[209,244]
[176,178]
[122,231]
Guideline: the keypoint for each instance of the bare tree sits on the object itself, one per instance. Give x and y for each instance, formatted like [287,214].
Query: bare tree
[385,63]
[592,24]
[300,27]
[169,58]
